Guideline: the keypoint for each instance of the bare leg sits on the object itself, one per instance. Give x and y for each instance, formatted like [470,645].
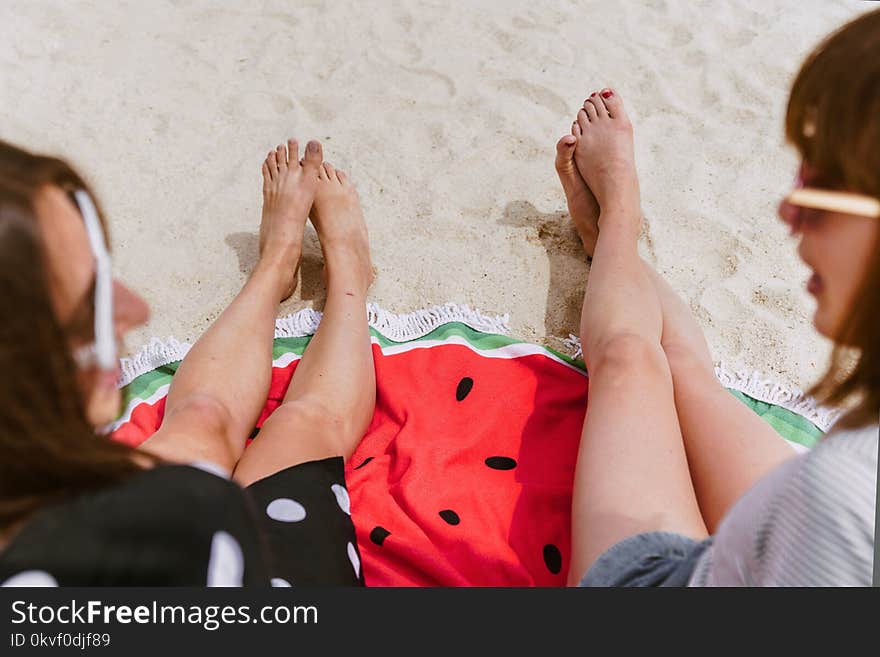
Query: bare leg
[728,447]
[632,474]
[221,386]
[332,394]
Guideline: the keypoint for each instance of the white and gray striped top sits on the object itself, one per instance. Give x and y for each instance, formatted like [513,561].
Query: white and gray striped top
[809,522]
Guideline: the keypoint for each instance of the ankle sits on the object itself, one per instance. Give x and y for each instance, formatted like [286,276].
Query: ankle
[274,255]
[348,285]
[348,262]
[274,274]
[620,220]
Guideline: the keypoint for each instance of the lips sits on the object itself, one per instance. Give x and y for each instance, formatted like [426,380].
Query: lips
[109,379]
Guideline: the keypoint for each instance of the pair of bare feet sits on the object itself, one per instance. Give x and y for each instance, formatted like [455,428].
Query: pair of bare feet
[295,190]
[596,166]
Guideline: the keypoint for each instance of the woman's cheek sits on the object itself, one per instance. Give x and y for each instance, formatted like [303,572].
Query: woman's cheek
[103,406]
[101,396]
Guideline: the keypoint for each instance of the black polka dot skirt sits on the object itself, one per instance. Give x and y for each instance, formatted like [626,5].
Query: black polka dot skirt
[182,525]
[306,526]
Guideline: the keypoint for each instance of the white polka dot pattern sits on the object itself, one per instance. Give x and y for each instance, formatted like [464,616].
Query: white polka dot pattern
[30,578]
[342,497]
[226,565]
[212,468]
[285,509]
[355,559]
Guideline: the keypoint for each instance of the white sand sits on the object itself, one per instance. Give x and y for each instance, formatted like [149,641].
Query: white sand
[447,120]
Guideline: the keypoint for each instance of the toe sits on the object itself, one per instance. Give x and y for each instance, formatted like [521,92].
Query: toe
[292,151]
[590,109]
[330,171]
[272,162]
[582,120]
[576,130]
[281,156]
[565,166]
[314,154]
[614,104]
[343,178]
[596,108]
[265,171]
[565,150]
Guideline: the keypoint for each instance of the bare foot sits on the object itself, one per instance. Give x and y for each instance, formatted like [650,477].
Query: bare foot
[605,157]
[339,221]
[582,205]
[288,191]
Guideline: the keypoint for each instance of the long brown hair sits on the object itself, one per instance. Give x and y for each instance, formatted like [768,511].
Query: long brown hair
[48,449]
[833,119]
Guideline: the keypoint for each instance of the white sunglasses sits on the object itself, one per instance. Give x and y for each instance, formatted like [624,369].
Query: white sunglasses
[101,352]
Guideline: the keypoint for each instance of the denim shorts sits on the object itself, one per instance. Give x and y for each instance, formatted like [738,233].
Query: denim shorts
[649,559]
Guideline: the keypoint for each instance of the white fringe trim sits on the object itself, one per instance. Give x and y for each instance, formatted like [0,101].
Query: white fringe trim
[298,324]
[414,325]
[395,327]
[755,385]
[573,344]
[155,354]
[411,326]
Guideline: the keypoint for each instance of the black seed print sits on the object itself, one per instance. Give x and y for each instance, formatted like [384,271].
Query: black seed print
[501,463]
[464,388]
[450,516]
[553,558]
[366,460]
[379,534]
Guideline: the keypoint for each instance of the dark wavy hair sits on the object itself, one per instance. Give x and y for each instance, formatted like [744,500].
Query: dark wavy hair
[48,449]
[833,119]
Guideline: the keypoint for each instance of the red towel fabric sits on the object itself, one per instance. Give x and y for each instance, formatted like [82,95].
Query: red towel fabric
[465,475]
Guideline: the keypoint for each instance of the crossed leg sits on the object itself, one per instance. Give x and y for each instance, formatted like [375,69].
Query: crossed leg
[221,386]
[728,447]
[632,471]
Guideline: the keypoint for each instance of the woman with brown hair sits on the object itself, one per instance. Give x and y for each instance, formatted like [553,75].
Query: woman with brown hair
[191,506]
[677,482]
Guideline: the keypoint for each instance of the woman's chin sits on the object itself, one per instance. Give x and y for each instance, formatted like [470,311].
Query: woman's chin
[103,407]
[826,326]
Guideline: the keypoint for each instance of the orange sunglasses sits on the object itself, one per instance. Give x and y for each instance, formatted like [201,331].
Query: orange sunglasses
[831,200]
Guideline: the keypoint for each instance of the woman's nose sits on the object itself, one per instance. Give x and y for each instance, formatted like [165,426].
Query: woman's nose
[790,214]
[129,309]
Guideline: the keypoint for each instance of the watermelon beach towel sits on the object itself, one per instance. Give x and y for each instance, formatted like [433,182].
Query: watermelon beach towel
[464,477]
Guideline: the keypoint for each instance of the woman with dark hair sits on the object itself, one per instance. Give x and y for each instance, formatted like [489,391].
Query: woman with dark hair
[191,506]
[677,482]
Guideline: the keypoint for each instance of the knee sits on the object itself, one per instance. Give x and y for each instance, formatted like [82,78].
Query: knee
[202,412]
[685,360]
[625,352]
[322,420]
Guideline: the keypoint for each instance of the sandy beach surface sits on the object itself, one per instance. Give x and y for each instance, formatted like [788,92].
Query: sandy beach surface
[446,116]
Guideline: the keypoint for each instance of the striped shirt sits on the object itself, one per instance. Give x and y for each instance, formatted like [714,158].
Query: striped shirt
[809,522]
